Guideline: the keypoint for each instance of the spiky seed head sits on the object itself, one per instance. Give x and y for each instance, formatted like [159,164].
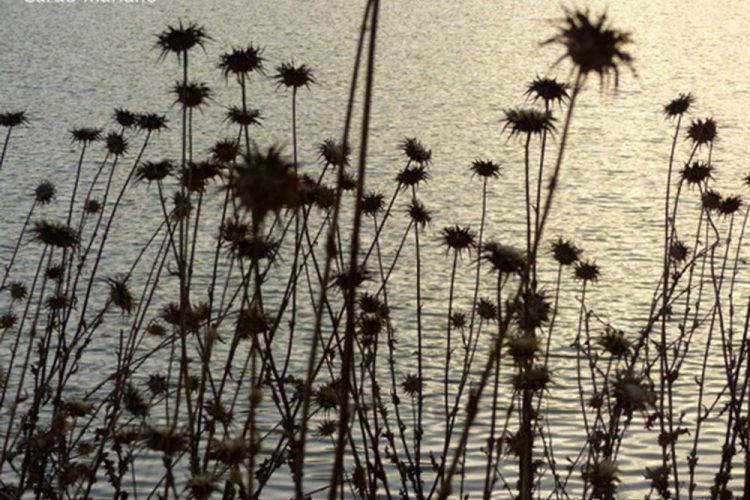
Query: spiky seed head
[164,440]
[230,450]
[327,428]
[92,207]
[615,343]
[153,171]
[120,295]
[702,131]
[239,116]
[533,310]
[565,252]
[55,234]
[17,290]
[291,76]
[203,485]
[534,379]
[587,271]
[196,175]
[522,347]
[192,95]
[7,321]
[157,384]
[419,213]
[412,176]
[592,45]
[242,61]
[334,153]
[711,200]
[548,90]
[151,122]
[529,121]
[124,118]
[730,205]
[85,135]
[372,203]
[485,169]
[55,272]
[415,151]
[696,173]
[458,320]
[679,105]
[12,119]
[44,192]
[225,151]
[503,258]
[486,309]
[116,144]
[458,238]
[265,183]
[412,385]
[347,279]
[678,251]
[181,206]
[180,39]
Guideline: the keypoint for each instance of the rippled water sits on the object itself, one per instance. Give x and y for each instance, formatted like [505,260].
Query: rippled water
[446,70]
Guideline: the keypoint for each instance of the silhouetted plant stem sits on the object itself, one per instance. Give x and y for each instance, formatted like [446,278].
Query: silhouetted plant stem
[298,472]
[347,360]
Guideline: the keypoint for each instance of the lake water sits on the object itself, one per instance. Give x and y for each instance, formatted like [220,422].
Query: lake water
[446,70]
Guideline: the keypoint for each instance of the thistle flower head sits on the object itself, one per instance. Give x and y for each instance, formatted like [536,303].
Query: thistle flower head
[242,61]
[55,234]
[529,121]
[151,122]
[230,450]
[633,392]
[411,385]
[17,290]
[615,343]
[458,320]
[486,309]
[7,321]
[729,205]
[679,105]
[291,76]
[92,207]
[120,295]
[696,173]
[153,171]
[592,45]
[124,118]
[702,131]
[44,192]
[586,271]
[412,176]
[85,135]
[533,310]
[419,213]
[522,348]
[458,238]
[678,251]
[225,151]
[181,206]
[346,279]
[239,116]
[565,252]
[203,485]
[327,395]
[486,169]
[116,144]
[548,90]
[711,200]
[12,119]
[504,259]
[534,379]
[372,203]
[196,175]
[265,182]
[415,151]
[191,94]
[601,474]
[164,439]
[334,153]
[180,39]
